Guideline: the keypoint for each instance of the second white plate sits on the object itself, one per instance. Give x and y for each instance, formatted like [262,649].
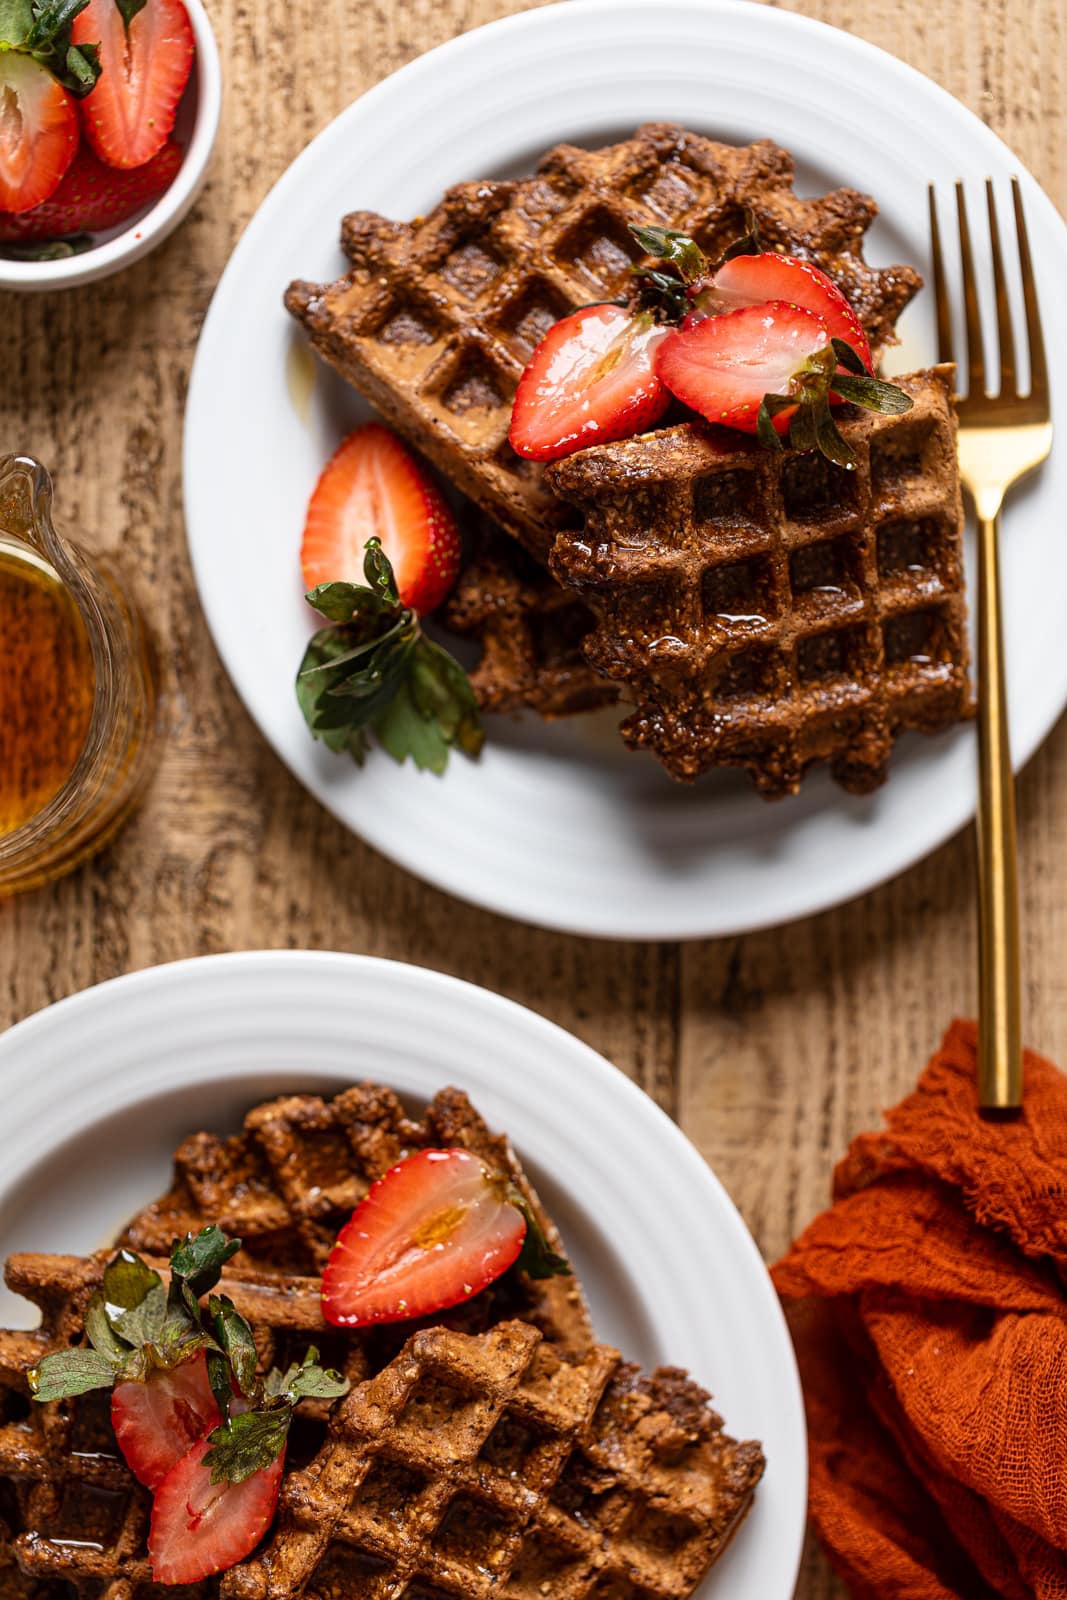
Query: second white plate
[559,825]
[101,1088]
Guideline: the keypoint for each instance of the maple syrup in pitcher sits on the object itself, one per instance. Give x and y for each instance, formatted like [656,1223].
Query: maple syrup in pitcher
[47,684]
[78,693]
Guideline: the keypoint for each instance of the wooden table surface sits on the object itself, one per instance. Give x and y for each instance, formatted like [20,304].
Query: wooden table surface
[771,1050]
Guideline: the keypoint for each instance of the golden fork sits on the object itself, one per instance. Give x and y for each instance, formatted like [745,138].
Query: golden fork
[1001,438]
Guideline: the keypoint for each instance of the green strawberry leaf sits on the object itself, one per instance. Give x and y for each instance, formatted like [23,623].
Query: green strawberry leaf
[100,1332]
[143,1323]
[766,432]
[873,394]
[198,1260]
[403,732]
[42,29]
[537,1257]
[127,1282]
[848,358]
[378,571]
[70,1372]
[220,1378]
[375,670]
[306,1381]
[247,1443]
[128,9]
[235,1341]
[16,23]
[667,244]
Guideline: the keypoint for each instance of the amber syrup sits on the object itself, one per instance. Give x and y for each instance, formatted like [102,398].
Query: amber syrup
[47,685]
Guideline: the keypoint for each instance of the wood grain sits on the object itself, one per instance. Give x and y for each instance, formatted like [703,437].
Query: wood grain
[772,1050]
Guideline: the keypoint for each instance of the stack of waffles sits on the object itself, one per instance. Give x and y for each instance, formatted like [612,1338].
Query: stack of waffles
[630,554]
[496,1450]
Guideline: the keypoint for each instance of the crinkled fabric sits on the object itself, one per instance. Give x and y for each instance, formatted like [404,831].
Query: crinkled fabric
[929,1313]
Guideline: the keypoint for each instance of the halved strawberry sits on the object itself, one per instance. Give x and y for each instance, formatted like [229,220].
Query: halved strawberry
[724,366]
[145,66]
[434,1230]
[753,280]
[592,379]
[38,132]
[198,1527]
[770,370]
[157,1421]
[92,197]
[373,487]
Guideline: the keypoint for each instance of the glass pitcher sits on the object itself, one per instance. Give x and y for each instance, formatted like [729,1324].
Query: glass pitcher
[78,691]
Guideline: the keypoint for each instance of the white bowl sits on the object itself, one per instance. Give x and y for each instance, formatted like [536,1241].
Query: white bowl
[196,128]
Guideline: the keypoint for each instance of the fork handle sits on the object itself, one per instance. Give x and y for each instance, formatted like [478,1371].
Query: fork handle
[1000,1072]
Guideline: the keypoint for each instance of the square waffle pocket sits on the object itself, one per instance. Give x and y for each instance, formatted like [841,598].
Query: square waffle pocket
[488,1466]
[770,610]
[436,319]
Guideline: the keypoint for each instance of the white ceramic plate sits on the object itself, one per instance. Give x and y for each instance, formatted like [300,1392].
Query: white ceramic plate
[101,1088]
[559,825]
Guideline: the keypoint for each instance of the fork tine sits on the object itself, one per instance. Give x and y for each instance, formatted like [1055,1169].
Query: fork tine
[975,351]
[1008,386]
[1038,365]
[944,314]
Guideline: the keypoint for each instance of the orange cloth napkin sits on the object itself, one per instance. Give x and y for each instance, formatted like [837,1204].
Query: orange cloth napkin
[929,1312]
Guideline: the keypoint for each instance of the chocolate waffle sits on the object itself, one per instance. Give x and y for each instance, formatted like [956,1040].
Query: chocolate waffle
[436,319]
[288,1183]
[489,1466]
[72,1518]
[770,610]
[529,630]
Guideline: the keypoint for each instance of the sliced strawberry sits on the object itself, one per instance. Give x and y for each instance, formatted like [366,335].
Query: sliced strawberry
[590,380]
[199,1527]
[129,115]
[156,1421]
[755,280]
[723,367]
[38,132]
[92,197]
[434,1230]
[373,487]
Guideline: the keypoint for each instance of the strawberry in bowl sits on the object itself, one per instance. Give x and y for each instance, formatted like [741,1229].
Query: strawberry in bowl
[115,107]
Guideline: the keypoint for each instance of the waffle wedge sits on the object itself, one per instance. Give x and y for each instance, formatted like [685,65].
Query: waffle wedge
[769,610]
[489,1466]
[529,630]
[436,319]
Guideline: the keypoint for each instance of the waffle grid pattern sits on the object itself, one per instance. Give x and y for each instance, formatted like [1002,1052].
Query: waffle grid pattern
[769,611]
[486,1467]
[289,1182]
[437,319]
[530,632]
[73,1521]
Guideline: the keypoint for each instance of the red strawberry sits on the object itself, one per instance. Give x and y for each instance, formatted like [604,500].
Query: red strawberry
[372,486]
[755,280]
[590,380]
[92,197]
[434,1230]
[129,115]
[156,1421]
[723,366]
[199,1527]
[38,132]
